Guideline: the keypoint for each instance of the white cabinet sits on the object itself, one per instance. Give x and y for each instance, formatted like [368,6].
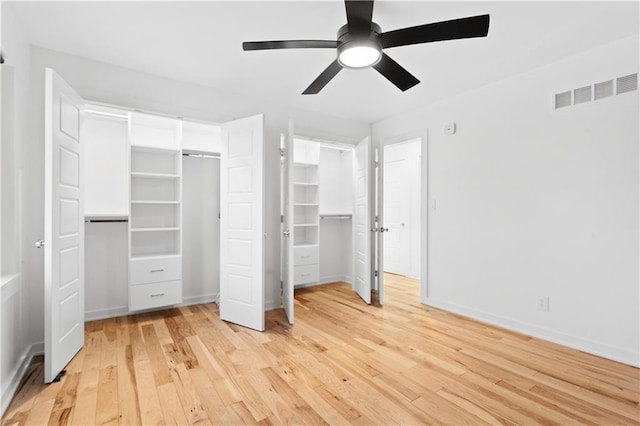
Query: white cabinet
[155,221]
[201,137]
[306,262]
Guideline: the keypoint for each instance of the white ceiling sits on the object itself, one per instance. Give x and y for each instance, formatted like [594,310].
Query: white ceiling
[200,42]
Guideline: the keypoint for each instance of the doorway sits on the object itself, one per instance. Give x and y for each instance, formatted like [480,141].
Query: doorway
[401,185]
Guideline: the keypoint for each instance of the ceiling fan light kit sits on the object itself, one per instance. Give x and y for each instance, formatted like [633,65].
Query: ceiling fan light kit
[361,42]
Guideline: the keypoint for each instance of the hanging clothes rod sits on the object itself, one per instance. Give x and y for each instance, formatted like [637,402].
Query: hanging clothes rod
[336,216]
[105,220]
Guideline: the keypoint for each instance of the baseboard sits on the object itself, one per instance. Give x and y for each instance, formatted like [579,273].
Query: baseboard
[123,310]
[106,313]
[270,305]
[326,280]
[196,300]
[584,345]
[10,386]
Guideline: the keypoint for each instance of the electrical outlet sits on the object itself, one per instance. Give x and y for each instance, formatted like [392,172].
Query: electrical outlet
[542,303]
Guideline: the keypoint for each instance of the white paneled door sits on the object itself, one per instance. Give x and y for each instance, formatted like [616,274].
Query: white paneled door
[396,217]
[287,224]
[64,226]
[362,223]
[242,223]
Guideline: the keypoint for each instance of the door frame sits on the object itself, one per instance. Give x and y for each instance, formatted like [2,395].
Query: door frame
[380,143]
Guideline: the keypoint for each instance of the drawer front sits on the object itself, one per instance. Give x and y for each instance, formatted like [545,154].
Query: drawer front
[306,256]
[306,274]
[145,271]
[148,296]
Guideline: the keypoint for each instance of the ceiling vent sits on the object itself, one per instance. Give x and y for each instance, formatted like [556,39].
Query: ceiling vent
[582,95]
[563,99]
[603,90]
[625,84]
[597,91]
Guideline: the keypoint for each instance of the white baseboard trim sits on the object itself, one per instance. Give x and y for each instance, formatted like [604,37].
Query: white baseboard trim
[106,313]
[595,348]
[270,305]
[10,386]
[326,280]
[196,300]
[123,310]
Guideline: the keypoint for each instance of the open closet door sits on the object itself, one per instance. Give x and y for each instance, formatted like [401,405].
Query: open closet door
[287,223]
[379,213]
[63,226]
[362,223]
[242,223]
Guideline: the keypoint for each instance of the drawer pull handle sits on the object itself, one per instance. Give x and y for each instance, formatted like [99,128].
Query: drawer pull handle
[305,257]
[306,275]
[157,294]
[157,270]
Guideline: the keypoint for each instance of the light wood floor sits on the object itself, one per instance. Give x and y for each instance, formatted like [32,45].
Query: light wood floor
[342,363]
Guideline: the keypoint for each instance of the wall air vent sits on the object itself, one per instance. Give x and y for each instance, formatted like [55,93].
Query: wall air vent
[597,91]
[563,99]
[582,95]
[603,90]
[625,84]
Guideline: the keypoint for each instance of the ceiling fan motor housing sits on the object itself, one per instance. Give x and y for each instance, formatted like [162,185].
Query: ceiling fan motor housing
[348,40]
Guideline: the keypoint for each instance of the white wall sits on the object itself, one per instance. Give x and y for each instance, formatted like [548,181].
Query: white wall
[536,202]
[105,83]
[16,347]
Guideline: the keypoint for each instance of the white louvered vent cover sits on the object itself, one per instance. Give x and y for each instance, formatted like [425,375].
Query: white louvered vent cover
[628,83]
[582,95]
[603,90]
[563,99]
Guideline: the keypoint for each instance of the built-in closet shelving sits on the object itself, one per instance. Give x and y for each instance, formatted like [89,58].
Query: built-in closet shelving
[155,221]
[306,199]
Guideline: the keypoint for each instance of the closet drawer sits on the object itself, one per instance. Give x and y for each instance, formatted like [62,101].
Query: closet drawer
[155,295]
[155,270]
[306,274]
[306,255]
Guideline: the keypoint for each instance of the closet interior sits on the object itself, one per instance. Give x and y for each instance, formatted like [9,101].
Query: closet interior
[152,191]
[322,198]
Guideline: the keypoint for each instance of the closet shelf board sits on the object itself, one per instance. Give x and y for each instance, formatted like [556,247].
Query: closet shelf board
[154,229]
[305,204]
[153,202]
[305,184]
[149,256]
[305,224]
[154,175]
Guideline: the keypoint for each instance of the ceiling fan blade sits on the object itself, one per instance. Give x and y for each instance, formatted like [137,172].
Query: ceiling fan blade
[474,26]
[395,73]
[324,77]
[289,44]
[359,15]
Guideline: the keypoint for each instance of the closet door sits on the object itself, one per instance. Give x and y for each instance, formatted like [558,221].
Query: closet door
[287,225]
[63,226]
[242,223]
[362,223]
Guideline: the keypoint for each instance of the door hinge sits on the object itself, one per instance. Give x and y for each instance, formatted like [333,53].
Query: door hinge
[281,218]
[375,273]
[281,152]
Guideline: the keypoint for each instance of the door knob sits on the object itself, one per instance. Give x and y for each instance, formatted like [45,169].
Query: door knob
[384,229]
[286,233]
[39,244]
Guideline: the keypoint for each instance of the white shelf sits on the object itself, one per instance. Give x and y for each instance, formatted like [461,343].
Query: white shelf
[156,256]
[305,165]
[153,202]
[153,229]
[305,205]
[305,245]
[142,175]
[304,184]
[305,224]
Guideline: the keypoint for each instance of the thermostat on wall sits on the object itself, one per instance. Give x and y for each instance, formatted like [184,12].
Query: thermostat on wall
[450,128]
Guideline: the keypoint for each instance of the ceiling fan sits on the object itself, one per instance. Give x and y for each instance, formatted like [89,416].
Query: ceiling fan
[361,41]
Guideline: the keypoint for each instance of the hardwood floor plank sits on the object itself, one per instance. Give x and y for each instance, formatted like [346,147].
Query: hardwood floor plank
[342,362]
